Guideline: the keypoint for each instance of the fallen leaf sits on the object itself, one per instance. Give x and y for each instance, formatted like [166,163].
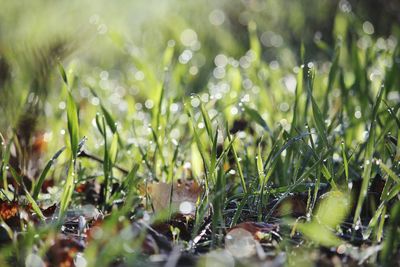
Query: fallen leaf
[182,191]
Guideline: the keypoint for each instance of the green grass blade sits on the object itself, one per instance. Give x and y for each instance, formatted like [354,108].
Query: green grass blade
[389,172]
[68,190]
[260,167]
[238,165]
[368,157]
[331,77]
[44,173]
[62,72]
[253,114]
[114,148]
[73,124]
[4,164]
[131,179]
[207,121]
[214,152]
[35,206]
[317,115]
[389,246]
[345,162]
[28,196]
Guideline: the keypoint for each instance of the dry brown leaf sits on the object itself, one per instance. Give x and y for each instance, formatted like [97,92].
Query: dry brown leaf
[183,191]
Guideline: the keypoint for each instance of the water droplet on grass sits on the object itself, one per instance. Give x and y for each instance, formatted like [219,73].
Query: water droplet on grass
[186,207]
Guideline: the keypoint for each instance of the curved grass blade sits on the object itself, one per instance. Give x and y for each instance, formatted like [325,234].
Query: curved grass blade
[241,176]
[28,196]
[73,124]
[368,157]
[389,246]
[257,118]
[207,121]
[62,72]
[317,114]
[43,175]
[68,190]
[389,172]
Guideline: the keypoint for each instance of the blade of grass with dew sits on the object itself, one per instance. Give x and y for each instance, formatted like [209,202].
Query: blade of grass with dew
[368,157]
[257,118]
[112,124]
[260,166]
[73,124]
[159,147]
[4,165]
[331,76]
[262,180]
[213,165]
[218,203]
[203,156]
[389,245]
[131,179]
[389,172]
[106,164]
[207,121]
[317,115]
[273,156]
[379,234]
[44,173]
[374,220]
[202,207]
[296,110]
[73,129]
[238,166]
[114,149]
[99,120]
[298,92]
[200,146]
[68,189]
[172,165]
[167,61]
[324,170]
[62,72]
[225,152]
[345,162]
[72,115]
[392,113]
[28,196]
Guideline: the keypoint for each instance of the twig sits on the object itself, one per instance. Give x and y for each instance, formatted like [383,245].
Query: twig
[84,154]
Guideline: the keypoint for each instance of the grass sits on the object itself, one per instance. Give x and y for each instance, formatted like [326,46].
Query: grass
[104,155]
